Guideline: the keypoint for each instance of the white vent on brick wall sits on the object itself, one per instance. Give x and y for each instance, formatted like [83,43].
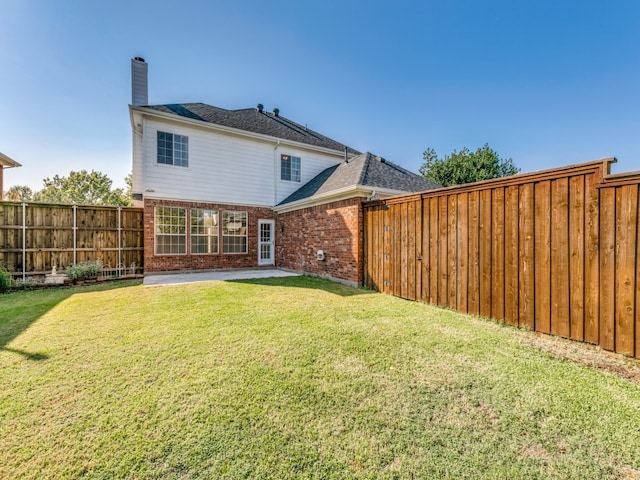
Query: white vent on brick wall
[321,255]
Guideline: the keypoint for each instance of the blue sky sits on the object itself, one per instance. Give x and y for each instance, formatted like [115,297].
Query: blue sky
[547,83]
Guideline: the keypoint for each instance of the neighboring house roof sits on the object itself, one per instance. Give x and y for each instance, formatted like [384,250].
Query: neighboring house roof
[251,120]
[365,171]
[7,162]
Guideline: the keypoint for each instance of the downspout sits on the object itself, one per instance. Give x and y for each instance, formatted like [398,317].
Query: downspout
[275,173]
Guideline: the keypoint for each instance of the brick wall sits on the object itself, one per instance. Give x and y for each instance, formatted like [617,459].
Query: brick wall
[157,263]
[335,228]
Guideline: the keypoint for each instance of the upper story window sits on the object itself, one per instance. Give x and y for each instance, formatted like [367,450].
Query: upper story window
[173,149]
[289,168]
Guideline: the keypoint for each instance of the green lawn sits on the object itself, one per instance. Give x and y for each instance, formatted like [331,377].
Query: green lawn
[293,378]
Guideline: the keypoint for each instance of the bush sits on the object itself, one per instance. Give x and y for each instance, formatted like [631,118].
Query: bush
[82,271]
[6,280]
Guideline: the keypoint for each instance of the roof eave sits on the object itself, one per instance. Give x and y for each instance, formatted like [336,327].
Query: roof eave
[8,162]
[236,131]
[336,195]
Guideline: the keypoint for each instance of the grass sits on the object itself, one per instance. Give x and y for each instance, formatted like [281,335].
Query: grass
[293,378]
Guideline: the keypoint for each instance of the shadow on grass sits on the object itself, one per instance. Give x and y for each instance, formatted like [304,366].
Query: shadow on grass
[315,283]
[20,309]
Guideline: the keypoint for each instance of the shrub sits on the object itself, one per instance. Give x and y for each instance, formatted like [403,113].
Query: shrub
[6,280]
[81,271]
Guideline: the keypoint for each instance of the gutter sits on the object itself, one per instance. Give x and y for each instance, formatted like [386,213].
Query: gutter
[235,131]
[335,195]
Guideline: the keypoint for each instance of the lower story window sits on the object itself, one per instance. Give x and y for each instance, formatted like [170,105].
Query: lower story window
[234,232]
[170,231]
[204,231]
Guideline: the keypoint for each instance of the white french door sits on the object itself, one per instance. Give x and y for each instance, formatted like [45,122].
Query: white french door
[266,242]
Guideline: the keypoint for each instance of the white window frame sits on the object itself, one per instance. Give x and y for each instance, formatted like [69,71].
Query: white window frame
[232,222]
[293,172]
[178,152]
[209,232]
[173,229]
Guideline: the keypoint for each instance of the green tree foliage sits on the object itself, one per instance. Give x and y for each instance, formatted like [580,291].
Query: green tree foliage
[465,166]
[82,188]
[19,193]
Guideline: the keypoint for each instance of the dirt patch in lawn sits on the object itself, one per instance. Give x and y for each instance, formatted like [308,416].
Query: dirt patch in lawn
[590,355]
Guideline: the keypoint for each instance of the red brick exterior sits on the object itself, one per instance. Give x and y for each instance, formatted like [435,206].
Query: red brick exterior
[336,228]
[159,263]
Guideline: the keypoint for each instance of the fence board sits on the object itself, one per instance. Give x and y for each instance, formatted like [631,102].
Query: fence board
[625,289]
[434,246]
[497,254]
[526,257]
[592,261]
[426,251]
[452,252]
[387,248]
[444,248]
[543,256]
[511,253]
[576,256]
[485,253]
[473,288]
[560,257]
[411,250]
[417,271]
[607,267]
[404,250]
[463,252]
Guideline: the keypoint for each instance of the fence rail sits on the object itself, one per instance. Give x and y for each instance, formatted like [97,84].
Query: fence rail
[35,237]
[557,252]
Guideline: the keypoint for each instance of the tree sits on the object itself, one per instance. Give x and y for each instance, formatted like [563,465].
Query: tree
[82,188]
[19,193]
[465,166]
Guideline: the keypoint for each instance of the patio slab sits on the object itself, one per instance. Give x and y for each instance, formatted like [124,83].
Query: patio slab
[165,279]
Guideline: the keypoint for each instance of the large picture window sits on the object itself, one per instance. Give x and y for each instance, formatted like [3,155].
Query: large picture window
[173,149]
[234,232]
[290,168]
[204,231]
[170,231]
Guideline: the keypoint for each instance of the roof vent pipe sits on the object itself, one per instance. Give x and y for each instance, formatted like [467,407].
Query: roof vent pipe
[260,107]
[276,112]
[139,85]
[346,158]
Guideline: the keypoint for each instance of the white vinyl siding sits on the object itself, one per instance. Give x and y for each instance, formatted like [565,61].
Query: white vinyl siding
[223,168]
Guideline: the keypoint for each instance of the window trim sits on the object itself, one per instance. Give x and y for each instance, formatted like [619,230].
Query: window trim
[177,141]
[157,234]
[298,172]
[223,224]
[204,235]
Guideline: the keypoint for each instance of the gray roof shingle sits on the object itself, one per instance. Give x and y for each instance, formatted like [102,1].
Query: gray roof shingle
[365,170]
[252,120]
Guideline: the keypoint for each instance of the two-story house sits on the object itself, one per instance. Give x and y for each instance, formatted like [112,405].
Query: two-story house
[248,188]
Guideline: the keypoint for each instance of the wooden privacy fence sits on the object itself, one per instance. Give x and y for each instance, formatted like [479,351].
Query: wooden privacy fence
[34,237]
[556,251]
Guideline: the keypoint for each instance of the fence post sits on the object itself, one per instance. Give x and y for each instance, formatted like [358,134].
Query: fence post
[24,242]
[119,241]
[74,232]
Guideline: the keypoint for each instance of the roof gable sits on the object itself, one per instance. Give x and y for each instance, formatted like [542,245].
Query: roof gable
[251,120]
